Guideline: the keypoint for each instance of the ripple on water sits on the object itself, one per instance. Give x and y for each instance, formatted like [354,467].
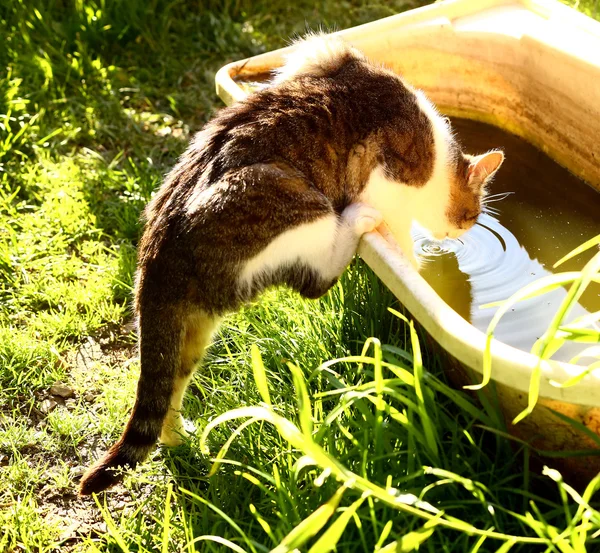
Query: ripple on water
[488,264]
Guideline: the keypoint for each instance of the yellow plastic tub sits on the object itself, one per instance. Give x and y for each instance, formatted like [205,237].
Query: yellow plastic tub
[529,67]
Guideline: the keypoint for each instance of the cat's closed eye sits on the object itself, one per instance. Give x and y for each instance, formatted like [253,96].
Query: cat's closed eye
[470,217]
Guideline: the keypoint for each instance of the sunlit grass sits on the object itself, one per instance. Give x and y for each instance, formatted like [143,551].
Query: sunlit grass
[97,100]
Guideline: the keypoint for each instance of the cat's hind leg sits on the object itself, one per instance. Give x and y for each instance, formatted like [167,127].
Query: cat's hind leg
[198,333]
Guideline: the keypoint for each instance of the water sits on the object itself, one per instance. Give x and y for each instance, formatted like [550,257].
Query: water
[541,213]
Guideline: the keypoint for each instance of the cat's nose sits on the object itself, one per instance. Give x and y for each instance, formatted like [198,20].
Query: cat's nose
[440,235]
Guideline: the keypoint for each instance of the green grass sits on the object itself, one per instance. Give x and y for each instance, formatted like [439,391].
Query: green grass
[97,100]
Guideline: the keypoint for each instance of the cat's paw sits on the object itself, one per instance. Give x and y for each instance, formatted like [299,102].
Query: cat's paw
[175,431]
[361,218]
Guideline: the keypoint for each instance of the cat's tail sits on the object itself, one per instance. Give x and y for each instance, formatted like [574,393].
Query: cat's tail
[161,336]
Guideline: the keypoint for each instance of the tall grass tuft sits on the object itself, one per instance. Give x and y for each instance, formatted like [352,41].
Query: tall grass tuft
[359,449]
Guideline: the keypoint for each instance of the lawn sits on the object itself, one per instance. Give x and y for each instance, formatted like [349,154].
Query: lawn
[97,100]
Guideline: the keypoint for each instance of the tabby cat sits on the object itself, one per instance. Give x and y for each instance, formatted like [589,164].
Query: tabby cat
[278,189]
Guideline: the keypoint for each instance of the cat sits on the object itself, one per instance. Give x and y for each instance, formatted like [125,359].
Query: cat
[278,189]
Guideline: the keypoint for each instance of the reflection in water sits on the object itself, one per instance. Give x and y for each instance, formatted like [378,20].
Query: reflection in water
[544,213]
[488,264]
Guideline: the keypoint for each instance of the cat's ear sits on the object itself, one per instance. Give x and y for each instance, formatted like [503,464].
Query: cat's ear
[483,167]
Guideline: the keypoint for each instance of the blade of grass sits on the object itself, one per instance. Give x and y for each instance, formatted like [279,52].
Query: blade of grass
[260,375]
[311,525]
[579,249]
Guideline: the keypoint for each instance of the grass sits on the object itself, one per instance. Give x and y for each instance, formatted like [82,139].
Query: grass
[97,100]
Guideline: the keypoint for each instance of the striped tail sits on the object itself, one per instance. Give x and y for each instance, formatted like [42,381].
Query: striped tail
[161,337]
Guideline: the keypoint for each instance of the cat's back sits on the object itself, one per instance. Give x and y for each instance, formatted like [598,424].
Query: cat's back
[310,119]
[300,119]
[356,95]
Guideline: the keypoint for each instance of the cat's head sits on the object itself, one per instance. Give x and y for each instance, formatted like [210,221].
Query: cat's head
[452,199]
[455,203]
[469,178]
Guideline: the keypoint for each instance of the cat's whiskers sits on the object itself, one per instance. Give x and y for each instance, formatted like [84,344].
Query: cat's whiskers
[490,210]
[487,209]
[497,197]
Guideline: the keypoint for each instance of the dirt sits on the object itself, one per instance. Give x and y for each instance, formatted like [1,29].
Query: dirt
[73,516]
